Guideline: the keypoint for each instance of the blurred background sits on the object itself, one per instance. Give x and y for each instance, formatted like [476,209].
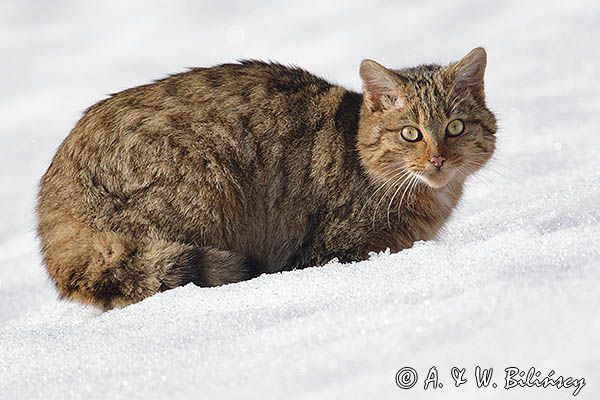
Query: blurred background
[60,57]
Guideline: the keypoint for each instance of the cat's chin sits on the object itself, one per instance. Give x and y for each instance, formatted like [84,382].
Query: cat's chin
[437,179]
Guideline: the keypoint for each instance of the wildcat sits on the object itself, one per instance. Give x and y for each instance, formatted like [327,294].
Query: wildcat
[220,174]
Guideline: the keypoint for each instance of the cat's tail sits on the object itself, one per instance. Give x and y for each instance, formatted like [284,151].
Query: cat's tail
[110,270]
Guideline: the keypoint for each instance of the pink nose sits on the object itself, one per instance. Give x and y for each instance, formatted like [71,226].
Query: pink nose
[437,161]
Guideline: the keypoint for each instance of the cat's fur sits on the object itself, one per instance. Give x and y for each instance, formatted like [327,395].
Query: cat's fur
[220,174]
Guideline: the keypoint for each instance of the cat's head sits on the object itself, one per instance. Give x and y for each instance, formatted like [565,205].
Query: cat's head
[430,121]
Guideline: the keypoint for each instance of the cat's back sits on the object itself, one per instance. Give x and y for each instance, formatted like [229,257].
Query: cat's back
[254,80]
[246,97]
[237,88]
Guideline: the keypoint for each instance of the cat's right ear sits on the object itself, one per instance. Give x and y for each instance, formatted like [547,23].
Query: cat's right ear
[380,86]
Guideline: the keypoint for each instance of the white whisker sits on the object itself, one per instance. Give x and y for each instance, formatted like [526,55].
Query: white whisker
[417,181]
[400,172]
[403,178]
[404,193]
[391,201]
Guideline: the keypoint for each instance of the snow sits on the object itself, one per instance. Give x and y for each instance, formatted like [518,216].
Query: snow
[513,281]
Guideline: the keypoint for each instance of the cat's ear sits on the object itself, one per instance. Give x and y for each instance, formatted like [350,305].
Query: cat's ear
[468,73]
[380,86]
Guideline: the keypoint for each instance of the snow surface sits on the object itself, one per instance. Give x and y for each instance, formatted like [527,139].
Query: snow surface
[513,281]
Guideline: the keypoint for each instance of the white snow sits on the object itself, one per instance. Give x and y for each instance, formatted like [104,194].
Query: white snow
[513,281]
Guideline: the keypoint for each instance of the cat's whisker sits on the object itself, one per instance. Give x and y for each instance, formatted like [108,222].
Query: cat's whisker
[390,204]
[453,191]
[402,180]
[467,173]
[417,182]
[414,186]
[399,173]
[404,193]
[495,162]
[488,167]
[392,186]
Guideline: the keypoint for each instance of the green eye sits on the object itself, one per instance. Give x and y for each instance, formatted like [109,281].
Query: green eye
[411,134]
[455,128]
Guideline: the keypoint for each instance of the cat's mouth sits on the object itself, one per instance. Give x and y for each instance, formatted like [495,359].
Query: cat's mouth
[437,178]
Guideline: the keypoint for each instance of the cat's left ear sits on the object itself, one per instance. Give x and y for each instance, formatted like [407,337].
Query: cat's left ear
[468,73]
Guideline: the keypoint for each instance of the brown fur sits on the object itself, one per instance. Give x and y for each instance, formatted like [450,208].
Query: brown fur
[221,174]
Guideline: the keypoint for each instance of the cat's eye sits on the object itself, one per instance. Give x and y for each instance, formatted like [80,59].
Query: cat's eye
[411,134]
[455,128]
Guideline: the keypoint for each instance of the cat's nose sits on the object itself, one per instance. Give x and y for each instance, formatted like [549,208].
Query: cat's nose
[437,161]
